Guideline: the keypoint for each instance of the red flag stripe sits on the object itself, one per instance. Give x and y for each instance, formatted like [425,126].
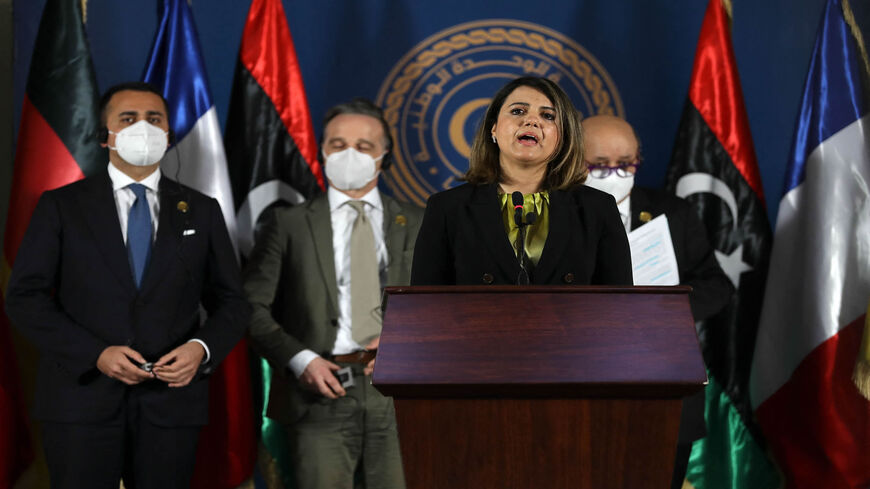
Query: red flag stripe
[715,91]
[42,162]
[269,54]
[830,449]
[229,436]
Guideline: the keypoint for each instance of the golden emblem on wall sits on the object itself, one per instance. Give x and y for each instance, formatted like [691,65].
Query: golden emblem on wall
[436,95]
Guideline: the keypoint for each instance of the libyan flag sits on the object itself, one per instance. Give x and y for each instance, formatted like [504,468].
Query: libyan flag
[272,157]
[270,144]
[56,145]
[713,165]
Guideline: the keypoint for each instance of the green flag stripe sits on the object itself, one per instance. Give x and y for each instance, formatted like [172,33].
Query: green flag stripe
[729,456]
[273,435]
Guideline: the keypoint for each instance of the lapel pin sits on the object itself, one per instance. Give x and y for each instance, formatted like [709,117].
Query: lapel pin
[401,220]
[182,206]
[645,216]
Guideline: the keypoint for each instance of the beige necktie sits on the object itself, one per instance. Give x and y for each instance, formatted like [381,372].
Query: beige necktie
[365,283]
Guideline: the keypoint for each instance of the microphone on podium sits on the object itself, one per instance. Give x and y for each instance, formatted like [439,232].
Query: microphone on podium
[517,200]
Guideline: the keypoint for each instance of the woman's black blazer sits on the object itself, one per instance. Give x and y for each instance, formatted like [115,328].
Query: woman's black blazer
[462,241]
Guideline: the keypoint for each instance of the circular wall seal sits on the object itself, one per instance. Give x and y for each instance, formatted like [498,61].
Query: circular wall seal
[436,95]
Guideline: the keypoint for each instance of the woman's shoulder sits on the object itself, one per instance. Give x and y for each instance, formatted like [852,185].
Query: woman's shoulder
[458,195]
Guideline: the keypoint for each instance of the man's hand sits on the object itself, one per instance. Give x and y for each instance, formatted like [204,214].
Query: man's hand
[319,378]
[117,363]
[371,346]
[178,367]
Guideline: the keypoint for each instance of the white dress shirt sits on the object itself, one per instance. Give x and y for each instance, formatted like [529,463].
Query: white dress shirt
[624,209]
[124,199]
[342,217]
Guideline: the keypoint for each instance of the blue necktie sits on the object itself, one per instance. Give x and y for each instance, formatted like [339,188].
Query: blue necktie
[139,233]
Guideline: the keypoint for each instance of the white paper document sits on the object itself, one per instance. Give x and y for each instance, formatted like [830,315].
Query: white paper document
[653,261]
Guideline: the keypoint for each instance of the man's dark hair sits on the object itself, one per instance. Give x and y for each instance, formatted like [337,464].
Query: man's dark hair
[362,106]
[135,86]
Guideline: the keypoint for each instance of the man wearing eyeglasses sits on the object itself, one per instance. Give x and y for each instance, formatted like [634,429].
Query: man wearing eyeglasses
[612,152]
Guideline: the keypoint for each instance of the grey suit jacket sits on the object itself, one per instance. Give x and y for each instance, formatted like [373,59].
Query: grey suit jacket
[290,282]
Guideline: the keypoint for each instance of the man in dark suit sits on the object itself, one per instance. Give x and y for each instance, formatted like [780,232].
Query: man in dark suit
[315,278]
[613,154]
[108,284]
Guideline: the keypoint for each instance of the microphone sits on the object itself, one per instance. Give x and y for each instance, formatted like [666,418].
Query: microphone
[523,276]
[531,217]
[517,199]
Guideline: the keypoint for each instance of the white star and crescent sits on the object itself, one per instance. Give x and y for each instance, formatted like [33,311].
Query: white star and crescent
[695,183]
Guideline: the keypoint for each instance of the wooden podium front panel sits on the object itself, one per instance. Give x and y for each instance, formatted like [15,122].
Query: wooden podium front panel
[539,342]
[532,443]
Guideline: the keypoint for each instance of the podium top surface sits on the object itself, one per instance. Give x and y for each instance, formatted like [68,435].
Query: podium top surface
[538,341]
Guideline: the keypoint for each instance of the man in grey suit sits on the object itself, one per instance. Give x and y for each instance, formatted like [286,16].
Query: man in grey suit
[314,279]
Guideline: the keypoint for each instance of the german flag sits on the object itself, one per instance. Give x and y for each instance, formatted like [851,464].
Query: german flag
[713,166]
[56,145]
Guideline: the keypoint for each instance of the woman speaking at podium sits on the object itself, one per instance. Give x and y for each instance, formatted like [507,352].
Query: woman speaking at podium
[523,215]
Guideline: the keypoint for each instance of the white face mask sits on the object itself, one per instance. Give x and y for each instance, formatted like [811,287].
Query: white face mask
[140,144]
[350,169]
[615,185]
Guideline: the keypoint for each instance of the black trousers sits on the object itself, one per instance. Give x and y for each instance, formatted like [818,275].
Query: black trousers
[128,447]
[681,464]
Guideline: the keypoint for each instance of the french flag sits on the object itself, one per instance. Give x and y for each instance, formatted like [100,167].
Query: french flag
[227,445]
[815,420]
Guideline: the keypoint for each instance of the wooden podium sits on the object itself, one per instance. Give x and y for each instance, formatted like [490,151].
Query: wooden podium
[538,387]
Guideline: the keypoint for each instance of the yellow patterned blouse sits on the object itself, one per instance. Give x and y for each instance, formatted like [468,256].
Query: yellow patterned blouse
[536,234]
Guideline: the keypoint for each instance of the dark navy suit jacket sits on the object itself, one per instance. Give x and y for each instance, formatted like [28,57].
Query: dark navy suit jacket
[72,294]
[711,289]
